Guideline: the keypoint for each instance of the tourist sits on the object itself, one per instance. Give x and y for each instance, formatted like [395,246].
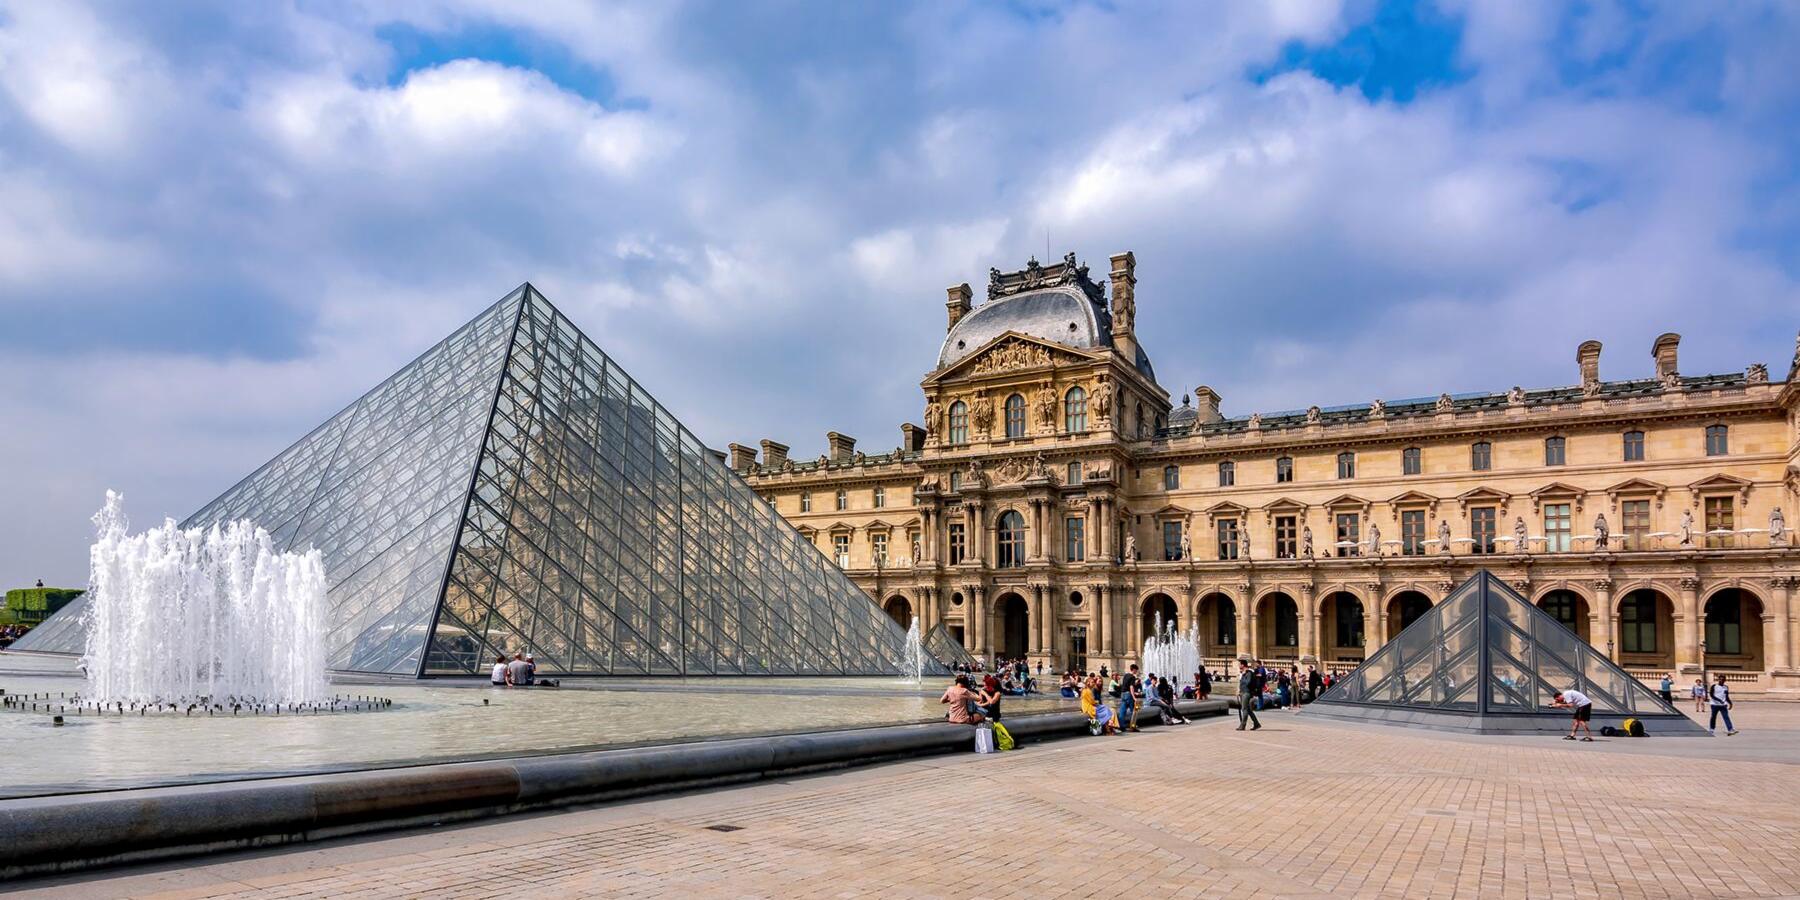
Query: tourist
[499,674]
[962,703]
[517,671]
[1100,716]
[1248,694]
[1315,683]
[1165,697]
[1130,698]
[1666,688]
[1721,707]
[1699,694]
[1067,687]
[989,698]
[1584,710]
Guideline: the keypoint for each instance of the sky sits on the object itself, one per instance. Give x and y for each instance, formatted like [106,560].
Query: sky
[220,223]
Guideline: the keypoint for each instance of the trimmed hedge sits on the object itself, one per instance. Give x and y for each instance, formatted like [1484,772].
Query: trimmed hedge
[29,606]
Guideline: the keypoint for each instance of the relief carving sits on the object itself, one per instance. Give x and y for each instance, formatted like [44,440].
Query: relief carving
[1011,356]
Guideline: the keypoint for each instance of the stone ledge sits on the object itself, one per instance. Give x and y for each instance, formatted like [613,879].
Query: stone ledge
[80,831]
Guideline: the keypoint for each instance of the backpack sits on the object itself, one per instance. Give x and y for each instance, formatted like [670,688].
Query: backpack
[1003,738]
[1633,727]
[1608,731]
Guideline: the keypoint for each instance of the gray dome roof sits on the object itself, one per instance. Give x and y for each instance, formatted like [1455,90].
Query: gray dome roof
[1061,314]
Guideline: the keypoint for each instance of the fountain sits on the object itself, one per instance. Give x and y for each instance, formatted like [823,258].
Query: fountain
[212,618]
[1171,654]
[913,655]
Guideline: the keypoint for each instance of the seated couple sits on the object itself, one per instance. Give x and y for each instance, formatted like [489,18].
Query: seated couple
[968,707]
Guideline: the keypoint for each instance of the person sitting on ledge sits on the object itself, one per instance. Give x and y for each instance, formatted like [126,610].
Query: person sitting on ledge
[1165,697]
[961,701]
[990,697]
[1100,716]
[1067,688]
[498,677]
[517,673]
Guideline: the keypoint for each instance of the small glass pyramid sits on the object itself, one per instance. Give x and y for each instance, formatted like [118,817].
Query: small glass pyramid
[941,646]
[1485,660]
[513,490]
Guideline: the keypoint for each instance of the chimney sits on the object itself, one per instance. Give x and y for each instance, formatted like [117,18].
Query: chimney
[842,446]
[717,454]
[1206,403]
[1588,355]
[958,304]
[743,458]
[1124,304]
[773,454]
[1664,351]
[912,437]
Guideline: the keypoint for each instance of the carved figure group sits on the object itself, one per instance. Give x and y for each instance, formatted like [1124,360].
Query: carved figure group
[1103,401]
[934,417]
[1516,396]
[1010,356]
[1378,409]
[1313,415]
[1445,404]
[981,412]
[1046,406]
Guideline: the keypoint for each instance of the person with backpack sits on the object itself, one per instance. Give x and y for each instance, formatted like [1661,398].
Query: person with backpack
[1720,698]
[1248,694]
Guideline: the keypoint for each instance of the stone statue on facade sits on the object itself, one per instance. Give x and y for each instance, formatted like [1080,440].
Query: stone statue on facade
[1130,547]
[1671,381]
[1443,535]
[1378,409]
[1521,538]
[1187,544]
[1244,542]
[1313,415]
[918,550]
[1757,374]
[1103,402]
[1039,468]
[1516,396]
[1306,547]
[1602,534]
[1374,539]
[1255,423]
[981,412]
[1445,404]
[1686,528]
[1778,535]
[1046,406]
[934,418]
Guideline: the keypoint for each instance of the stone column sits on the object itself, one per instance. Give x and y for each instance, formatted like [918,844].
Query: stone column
[1374,626]
[1687,626]
[1242,616]
[1600,619]
[1037,529]
[986,641]
[1034,643]
[1097,614]
[1103,520]
[928,535]
[1776,632]
[1309,622]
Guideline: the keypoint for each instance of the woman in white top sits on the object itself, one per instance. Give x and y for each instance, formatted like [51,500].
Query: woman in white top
[1699,695]
[499,675]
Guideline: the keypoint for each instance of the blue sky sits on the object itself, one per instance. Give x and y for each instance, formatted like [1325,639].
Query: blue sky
[221,222]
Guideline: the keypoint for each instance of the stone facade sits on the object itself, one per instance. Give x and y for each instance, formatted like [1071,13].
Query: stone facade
[1056,503]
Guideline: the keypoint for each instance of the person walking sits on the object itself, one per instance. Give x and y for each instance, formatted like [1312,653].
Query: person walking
[1584,711]
[1667,689]
[1246,697]
[1721,707]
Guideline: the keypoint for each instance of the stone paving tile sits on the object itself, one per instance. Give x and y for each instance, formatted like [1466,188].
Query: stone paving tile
[1300,809]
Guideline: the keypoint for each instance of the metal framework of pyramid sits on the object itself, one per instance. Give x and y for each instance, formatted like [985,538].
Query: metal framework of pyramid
[514,490]
[1487,661]
[940,645]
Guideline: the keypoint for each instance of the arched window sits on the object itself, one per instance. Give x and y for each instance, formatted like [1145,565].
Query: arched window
[1075,411]
[1142,429]
[1481,456]
[959,423]
[1011,537]
[1015,416]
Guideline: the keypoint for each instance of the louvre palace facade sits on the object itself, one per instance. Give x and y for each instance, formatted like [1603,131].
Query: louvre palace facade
[1057,501]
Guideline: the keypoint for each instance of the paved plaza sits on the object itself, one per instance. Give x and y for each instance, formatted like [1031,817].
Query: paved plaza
[1303,808]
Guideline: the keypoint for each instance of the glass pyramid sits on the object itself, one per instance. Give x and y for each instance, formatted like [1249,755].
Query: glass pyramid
[940,645]
[1486,660]
[514,490]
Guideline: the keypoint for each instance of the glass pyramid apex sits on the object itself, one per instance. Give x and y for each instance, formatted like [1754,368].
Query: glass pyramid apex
[513,490]
[1487,660]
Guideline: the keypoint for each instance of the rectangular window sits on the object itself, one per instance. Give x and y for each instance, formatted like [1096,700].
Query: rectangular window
[880,497]
[1228,538]
[1227,631]
[1346,465]
[1634,446]
[1725,626]
[1412,532]
[1349,534]
[955,480]
[1481,456]
[1284,470]
[1349,621]
[1482,528]
[1078,647]
[1411,462]
[843,499]
[1715,440]
[1637,624]
[1074,473]
[878,548]
[1074,539]
[1171,541]
[806,503]
[1171,478]
[1286,538]
[959,544]
[1636,524]
[840,550]
[1719,518]
[1555,451]
[1556,528]
[1227,474]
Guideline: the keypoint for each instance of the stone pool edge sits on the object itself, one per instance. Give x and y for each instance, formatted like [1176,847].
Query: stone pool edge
[67,833]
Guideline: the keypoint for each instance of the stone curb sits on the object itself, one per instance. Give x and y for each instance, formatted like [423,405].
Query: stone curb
[81,831]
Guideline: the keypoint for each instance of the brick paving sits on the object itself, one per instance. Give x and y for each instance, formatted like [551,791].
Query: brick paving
[1300,809]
